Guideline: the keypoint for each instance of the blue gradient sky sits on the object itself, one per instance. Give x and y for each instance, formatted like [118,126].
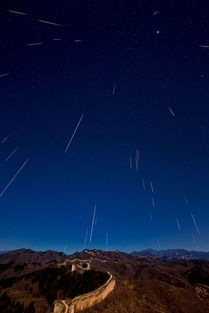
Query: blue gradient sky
[154,61]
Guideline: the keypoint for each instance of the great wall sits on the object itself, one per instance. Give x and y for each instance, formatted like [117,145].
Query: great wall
[86,300]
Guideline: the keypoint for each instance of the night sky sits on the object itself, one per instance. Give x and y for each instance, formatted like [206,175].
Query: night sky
[139,74]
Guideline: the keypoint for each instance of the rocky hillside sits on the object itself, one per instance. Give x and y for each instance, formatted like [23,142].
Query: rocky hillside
[149,285]
[143,284]
[23,261]
[36,292]
[30,256]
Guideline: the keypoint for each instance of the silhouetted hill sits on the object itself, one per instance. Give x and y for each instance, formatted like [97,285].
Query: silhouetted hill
[173,253]
[27,255]
[23,261]
[112,255]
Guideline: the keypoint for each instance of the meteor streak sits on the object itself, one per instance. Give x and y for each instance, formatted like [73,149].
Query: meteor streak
[178,224]
[195,223]
[193,237]
[16,12]
[11,154]
[113,91]
[151,186]
[5,139]
[137,159]
[203,46]
[92,225]
[7,186]
[71,139]
[50,23]
[186,201]
[171,111]
[35,44]
[150,216]
[3,75]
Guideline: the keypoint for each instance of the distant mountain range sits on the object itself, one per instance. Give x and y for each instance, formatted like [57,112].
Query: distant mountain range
[2,252]
[173,254]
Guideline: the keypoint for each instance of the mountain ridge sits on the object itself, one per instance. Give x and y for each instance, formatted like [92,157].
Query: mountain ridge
[173,253]
[163,253]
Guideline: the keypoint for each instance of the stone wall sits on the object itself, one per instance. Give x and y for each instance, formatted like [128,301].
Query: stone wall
[87,300]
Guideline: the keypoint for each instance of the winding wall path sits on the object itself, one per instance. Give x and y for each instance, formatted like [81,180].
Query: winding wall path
[86,300]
